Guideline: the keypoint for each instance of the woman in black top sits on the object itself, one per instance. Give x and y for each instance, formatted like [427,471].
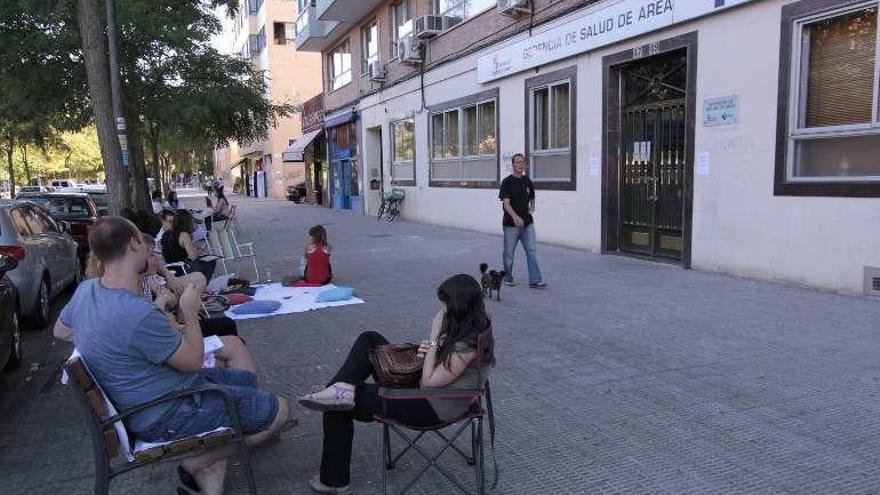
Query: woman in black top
[450,361]
[177,246]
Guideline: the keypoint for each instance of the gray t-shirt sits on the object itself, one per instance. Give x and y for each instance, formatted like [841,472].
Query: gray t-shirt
[125,342]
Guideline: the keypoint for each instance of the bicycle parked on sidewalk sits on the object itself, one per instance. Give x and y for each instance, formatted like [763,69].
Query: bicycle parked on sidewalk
[390,207]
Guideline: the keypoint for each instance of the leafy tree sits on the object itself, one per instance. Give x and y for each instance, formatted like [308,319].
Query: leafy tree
[41,77]
[181,96]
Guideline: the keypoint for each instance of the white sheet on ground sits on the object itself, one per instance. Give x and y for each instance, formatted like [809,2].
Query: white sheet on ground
[292,299]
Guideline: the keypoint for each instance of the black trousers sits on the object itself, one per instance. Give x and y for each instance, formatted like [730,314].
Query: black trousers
[220,326]
[339,425]
[206,268]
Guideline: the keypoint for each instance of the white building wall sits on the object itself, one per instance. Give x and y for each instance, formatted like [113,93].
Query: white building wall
[739,226]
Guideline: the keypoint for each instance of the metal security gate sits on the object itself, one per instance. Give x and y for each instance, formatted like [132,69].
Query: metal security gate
[652,158]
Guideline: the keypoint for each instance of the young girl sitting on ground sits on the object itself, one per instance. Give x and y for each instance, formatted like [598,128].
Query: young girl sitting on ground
[315,263]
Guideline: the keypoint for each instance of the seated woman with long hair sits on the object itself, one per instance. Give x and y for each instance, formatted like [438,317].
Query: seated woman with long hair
[450,361]
[178,245]
[221,207]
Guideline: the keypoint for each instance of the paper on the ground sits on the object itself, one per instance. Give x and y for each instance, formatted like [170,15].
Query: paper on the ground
[292,299]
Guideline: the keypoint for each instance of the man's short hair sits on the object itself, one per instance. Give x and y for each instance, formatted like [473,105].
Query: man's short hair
[165,213]
[516,155]
[109,238]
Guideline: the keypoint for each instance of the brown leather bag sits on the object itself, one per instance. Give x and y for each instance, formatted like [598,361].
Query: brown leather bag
[397,365]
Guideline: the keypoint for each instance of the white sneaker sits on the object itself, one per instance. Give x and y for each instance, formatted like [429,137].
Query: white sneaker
[318,487]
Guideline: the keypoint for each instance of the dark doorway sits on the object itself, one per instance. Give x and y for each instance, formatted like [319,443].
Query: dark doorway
[648,164]
[651,158]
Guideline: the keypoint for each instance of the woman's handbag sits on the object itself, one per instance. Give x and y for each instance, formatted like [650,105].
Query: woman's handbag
[397,365]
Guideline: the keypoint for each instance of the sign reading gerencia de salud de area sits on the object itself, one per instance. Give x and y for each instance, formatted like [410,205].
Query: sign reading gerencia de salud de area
[594,28]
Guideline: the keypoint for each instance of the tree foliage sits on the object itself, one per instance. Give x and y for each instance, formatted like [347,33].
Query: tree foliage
[182,96]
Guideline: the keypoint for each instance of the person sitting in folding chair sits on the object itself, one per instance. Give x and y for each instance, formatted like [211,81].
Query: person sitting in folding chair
[449,363]
[178,246]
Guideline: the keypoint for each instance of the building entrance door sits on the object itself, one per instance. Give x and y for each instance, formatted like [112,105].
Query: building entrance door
[652,158]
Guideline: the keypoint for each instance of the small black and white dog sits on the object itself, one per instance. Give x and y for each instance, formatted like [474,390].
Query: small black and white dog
[491,281]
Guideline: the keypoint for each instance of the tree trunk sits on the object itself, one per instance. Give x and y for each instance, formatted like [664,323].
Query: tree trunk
[154,151]
[91,29]
[140,198]
[22,148]
[10,148]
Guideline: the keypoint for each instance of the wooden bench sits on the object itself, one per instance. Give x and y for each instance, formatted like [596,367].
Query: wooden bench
[111,443]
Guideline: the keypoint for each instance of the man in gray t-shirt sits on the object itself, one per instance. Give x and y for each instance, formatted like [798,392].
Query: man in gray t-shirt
[137,354]
[126,341]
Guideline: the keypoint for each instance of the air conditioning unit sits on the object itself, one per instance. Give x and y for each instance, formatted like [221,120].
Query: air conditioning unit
[376,71]
[428,26]
[409,49]
[514,8]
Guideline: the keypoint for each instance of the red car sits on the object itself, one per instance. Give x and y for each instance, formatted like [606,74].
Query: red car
[78,210]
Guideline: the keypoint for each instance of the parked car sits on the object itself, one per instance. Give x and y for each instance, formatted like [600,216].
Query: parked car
[47,258]
[100,199]
[296,193]
[10,331]
[77,209]
[63,184]
[32,189]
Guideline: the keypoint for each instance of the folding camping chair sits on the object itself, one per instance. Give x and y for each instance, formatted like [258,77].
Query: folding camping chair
[472,418]
[232,219]
[223,243]
[110,440]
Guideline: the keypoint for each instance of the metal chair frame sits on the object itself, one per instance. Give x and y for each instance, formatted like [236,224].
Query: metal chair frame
[472,418]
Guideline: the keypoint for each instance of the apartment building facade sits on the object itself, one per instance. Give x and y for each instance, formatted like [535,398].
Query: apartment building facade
[263,31]
[740,136]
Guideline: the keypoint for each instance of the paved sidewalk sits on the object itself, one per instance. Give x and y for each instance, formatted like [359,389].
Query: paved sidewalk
[623,377]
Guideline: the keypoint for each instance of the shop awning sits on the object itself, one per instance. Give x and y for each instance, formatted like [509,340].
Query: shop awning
[294,152]
[237,164]
[340,118]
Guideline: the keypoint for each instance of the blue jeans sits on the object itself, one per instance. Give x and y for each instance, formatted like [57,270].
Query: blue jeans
[512,236]
[206,412]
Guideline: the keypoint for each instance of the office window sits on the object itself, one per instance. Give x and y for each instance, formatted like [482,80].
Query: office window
[463,141]
[369,45]
[457,11]
[550,117]
[550,139]
[339,62]
[834,131]
[401,23]
[254,6]
[403,150]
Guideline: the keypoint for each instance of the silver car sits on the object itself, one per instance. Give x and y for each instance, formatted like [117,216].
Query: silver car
[47,260]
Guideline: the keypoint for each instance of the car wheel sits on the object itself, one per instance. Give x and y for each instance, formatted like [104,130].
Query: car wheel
[15,354]
[39,317]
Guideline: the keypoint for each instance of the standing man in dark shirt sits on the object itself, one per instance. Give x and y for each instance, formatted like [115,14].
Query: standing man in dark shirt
[518,199]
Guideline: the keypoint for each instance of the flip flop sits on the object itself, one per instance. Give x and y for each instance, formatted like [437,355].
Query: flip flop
[338,403]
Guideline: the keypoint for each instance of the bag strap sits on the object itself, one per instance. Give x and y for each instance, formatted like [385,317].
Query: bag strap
[491,412]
